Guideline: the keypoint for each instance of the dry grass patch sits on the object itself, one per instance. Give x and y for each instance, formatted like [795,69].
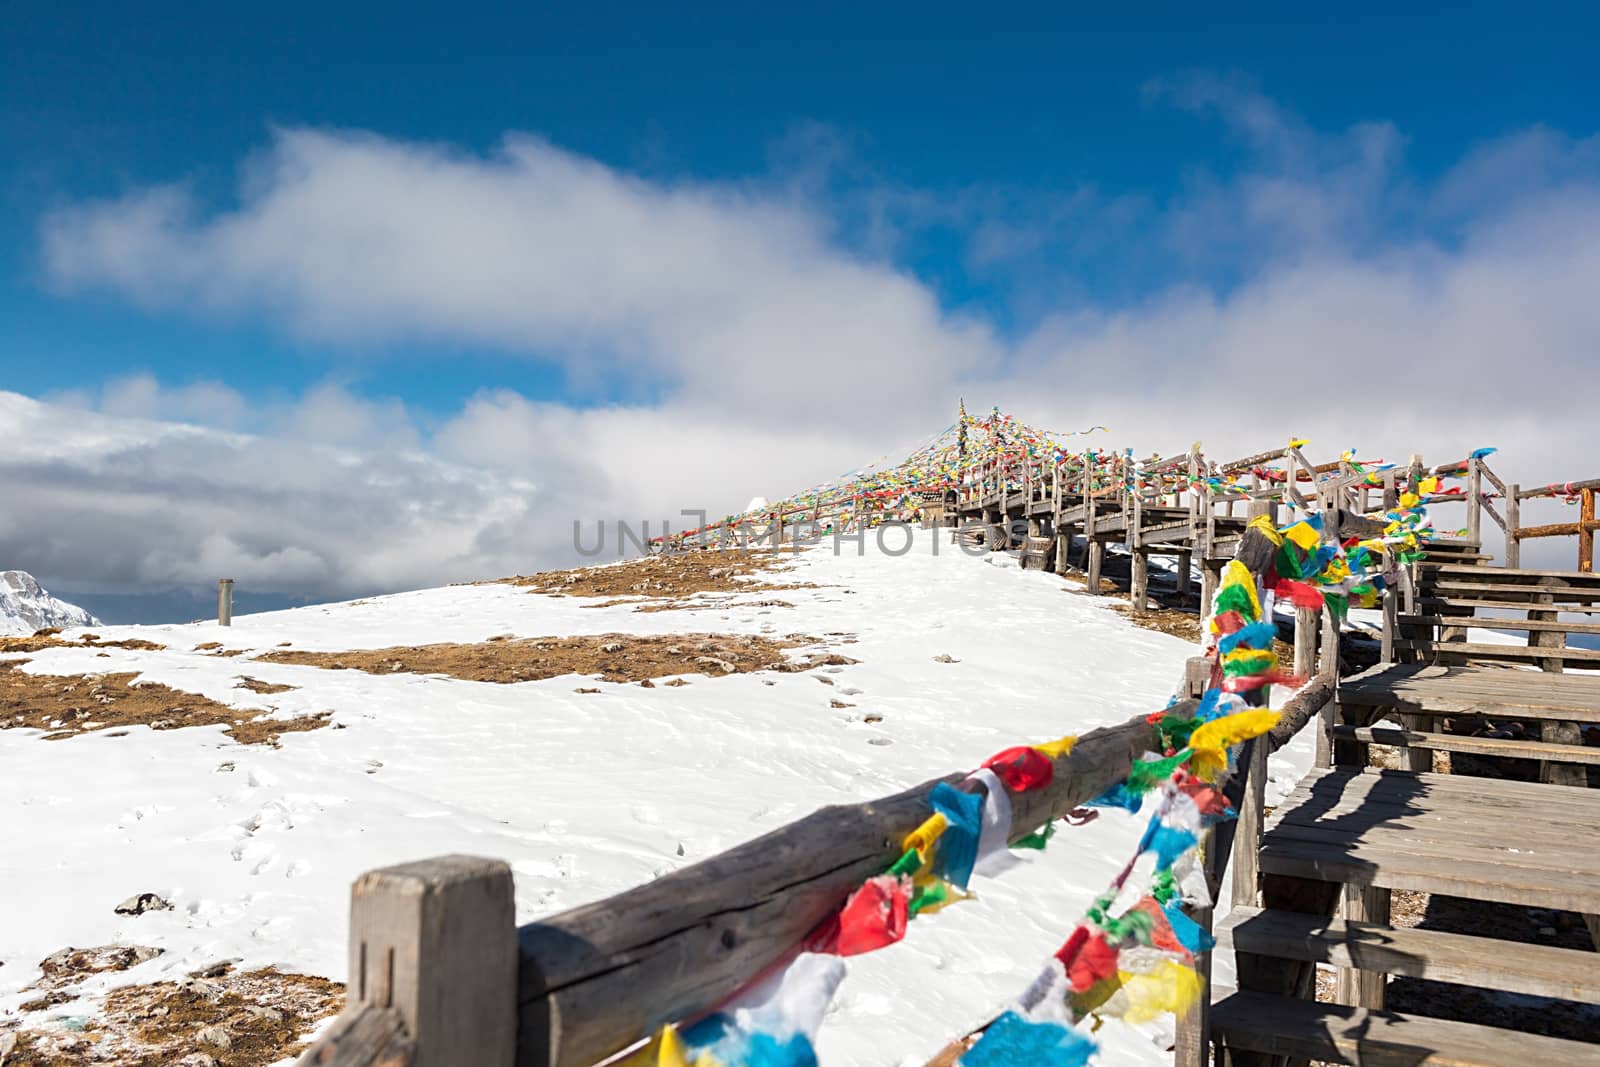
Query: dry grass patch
[1165,620]
[614,657]
[1185,625]
[667,577]
[68,705]
[223,1019]
[44,639]
[256,685]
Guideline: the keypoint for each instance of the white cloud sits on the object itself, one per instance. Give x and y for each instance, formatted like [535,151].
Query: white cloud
[757,350]
[706,290]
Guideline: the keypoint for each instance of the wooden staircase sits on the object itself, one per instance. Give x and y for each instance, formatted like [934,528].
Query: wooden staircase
[1350,835]
[1342,842]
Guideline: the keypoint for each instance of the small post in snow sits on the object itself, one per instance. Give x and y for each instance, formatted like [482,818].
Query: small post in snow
[224,601]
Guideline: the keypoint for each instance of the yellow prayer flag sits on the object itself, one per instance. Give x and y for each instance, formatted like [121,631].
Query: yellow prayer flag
[1302,534]
[923,837]
[1170,987]
[1057,749]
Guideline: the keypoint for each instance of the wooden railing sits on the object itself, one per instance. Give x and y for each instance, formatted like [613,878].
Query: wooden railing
[1584,528]
[439,975]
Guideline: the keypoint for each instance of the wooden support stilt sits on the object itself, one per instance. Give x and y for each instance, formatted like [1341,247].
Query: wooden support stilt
[1139,593]
[1363,989]
[1306,625]
[1210,578]
[1097,551]
[1513,526]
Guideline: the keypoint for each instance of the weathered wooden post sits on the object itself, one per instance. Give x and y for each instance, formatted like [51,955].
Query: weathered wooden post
[434,943]
[1475,500]
[1096,548]
[1586,532]
[224,601]
[1305,640]
[1513,525]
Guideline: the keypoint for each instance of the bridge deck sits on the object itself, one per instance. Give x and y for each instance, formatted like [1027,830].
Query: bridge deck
[1349,835]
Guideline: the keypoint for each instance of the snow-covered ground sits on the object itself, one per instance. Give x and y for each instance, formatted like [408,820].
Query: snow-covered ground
[585,794]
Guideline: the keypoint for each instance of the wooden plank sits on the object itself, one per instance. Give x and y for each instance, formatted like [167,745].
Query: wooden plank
[595,979]
[1453,834]
[1420,683]
[1482,746]
[1460,959]
[1578,593]
[1538,887]
[1465,571]
[1490,651]
[1434,792]
[1472,821]
[1487,623]
[1505,605]
[1334,1033]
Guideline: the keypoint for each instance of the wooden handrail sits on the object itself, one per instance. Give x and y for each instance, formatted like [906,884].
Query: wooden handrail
[594,980]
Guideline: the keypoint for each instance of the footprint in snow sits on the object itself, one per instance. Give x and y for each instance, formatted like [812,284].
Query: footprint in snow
[647,814]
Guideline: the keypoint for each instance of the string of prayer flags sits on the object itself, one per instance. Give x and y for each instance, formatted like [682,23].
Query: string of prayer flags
[1133,953]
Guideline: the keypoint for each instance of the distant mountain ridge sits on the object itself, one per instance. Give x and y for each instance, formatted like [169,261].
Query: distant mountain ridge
[25,607]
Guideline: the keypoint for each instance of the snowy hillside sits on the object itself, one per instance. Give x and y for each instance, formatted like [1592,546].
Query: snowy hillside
[25,607]
[586,786]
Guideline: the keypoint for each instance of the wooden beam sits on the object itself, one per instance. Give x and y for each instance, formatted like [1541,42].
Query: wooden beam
[1561,529]
[1561,489]
[598,978]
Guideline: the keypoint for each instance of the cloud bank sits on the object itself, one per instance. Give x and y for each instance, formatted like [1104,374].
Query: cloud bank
[757,343]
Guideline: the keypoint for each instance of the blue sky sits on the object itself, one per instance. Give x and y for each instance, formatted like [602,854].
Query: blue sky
[623,260]
[1041,100]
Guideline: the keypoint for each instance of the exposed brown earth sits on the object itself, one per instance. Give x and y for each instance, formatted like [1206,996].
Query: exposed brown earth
[613,657]
[48,639]
[255,685]
[667,577]
[68,705]
[220,1019]
[1165,620]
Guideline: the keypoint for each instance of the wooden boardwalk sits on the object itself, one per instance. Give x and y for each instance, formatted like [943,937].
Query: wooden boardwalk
[440,974]
[1350,835]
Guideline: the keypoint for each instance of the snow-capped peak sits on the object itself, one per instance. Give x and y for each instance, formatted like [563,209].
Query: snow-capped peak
[25,607]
